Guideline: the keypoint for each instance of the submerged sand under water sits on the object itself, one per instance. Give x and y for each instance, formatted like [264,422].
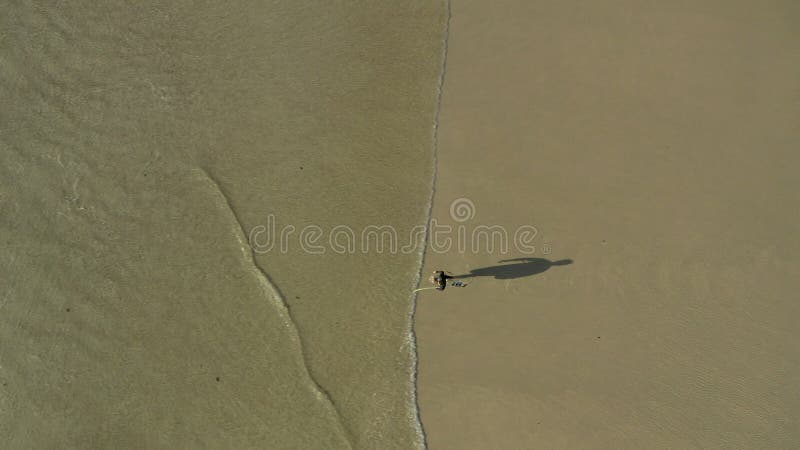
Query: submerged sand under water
[140,144]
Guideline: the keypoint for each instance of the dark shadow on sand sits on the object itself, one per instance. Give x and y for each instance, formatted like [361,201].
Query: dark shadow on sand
[521,267]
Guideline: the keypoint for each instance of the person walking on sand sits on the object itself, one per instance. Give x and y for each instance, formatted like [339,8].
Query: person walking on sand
[440,277]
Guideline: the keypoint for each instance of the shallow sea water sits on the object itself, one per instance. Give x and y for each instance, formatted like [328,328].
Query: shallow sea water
[141,147]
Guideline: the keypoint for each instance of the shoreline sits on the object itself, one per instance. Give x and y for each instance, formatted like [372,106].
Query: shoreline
[434,173]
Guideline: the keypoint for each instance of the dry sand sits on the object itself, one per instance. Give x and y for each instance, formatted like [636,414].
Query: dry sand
[653,144]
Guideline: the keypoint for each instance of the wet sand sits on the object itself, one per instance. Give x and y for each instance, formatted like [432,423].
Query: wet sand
[654,144]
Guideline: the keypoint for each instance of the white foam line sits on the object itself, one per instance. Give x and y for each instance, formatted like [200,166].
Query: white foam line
[412,337]
[272,291]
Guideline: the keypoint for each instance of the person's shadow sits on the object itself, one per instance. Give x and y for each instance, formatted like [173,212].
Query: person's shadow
[521,267]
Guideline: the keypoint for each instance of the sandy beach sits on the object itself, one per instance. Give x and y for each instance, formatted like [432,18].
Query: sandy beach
[653,144]
[614,181]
